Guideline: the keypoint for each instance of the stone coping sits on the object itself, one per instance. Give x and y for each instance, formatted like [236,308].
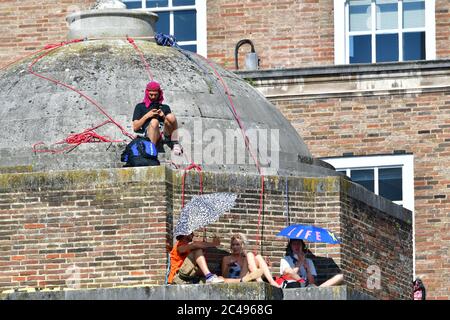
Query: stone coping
[232,291]
[142,14]
[69,179]
[394,67]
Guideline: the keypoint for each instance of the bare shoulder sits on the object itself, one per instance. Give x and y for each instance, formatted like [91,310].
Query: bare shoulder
[226,259]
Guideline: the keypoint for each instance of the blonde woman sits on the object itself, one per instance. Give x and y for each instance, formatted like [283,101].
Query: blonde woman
[241,263]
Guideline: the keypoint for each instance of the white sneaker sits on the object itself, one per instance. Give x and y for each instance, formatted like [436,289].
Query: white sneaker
[214,279]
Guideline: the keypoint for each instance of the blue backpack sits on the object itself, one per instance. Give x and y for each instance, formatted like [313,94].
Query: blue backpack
[140,152]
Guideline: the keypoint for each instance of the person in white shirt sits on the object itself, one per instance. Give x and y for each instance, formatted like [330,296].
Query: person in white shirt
[297,267]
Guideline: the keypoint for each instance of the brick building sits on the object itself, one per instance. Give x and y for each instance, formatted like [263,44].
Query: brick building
[385,122]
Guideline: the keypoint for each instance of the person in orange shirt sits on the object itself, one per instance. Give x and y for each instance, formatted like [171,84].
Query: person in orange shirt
[187,261]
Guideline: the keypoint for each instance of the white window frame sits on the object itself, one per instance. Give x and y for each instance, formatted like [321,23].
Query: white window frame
[342,34]
[200,8]
[385,161]
[406,162]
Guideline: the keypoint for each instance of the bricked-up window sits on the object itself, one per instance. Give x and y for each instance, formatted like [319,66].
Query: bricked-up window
[390,176]
[185,19]
[370,31]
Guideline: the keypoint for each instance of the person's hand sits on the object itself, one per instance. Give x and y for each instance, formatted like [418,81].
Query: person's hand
[268,262]
[161,114]
[301,260]
[306,266]
[152,113]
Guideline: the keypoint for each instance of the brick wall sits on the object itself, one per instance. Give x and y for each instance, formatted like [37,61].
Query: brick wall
[86,229]
[305,206]
[286,34]
[112,226]
[418,123]
[28,25]
[364,246]
[442,29]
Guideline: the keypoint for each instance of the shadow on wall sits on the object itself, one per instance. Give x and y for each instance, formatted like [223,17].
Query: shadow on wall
[214,259]
[326,267]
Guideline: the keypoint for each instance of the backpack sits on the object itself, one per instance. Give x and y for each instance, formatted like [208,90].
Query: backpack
[140,152]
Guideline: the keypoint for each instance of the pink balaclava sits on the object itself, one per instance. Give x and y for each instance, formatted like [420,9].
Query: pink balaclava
[152,86]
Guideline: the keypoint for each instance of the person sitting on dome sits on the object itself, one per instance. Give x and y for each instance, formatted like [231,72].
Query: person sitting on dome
[150,116]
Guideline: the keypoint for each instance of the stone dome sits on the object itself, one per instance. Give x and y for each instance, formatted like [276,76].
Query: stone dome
[111,72]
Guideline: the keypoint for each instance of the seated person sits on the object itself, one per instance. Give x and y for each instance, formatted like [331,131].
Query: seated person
[297,267]
[151,114]
[188,263]
[419,289]
[240,265]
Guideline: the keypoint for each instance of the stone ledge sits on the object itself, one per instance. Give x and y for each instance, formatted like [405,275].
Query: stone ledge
[390,67]
[351,80]
[234,291]
[329,293]
[64,180]
[360,193]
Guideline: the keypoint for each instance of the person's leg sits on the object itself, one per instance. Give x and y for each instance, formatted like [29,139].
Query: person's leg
[261,264]
[334,281]
[188,271]
[171,133]
[153,131]
[170,127]
[258,263]
[252,275]
[251,262]
[200,260]
[231,280]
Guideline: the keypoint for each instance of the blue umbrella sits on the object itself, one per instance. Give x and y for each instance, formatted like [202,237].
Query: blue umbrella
[308,233]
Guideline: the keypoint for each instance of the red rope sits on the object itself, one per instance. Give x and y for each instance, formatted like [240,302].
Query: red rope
[188,168]
[192,165]
[247,144]
[87,136]
[147,66]
[236,115]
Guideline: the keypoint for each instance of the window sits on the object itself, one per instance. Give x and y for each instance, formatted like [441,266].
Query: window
[369,31]
[391,176]
[185,19]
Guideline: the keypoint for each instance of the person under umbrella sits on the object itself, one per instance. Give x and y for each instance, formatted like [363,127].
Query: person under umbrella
[187,260]
[188,263]
[295,267]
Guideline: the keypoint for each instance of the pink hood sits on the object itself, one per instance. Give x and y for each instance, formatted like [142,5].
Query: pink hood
[153,86]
